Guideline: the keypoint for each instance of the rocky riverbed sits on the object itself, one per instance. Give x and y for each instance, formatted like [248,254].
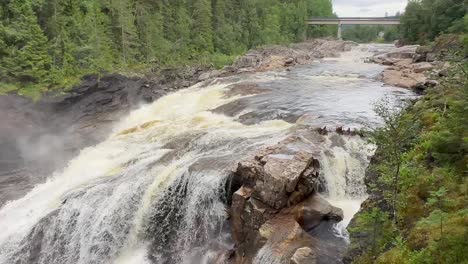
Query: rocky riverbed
[417,67]
[38,138]
[236,169]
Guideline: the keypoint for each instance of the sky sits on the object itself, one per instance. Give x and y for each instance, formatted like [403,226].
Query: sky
[368,8]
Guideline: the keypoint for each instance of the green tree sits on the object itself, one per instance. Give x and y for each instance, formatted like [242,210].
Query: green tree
[393,138]
[25,47]
[202,31]
[124,12]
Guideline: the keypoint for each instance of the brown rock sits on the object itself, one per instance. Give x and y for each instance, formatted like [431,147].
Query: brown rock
[239,200]
[283,237]
[304,255]
[404,79]
[314,210]
[275,176]
[422,67]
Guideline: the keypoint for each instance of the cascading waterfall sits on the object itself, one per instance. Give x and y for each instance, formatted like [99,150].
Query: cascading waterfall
[344,166]
[153,191]
[154,187]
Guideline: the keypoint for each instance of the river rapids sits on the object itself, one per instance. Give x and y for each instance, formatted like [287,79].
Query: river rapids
[156,190]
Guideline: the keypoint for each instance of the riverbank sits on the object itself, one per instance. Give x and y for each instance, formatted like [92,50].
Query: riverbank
[416,210]
[39,137]
[418,67]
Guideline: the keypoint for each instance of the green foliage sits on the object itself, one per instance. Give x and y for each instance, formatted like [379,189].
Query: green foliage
[424,20]
[393,139]
[379,230]
[49,44]
[366,34]
[432,187]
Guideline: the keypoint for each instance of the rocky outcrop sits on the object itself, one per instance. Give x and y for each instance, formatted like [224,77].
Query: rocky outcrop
[411,67]
[37,138]
[416,67]
[277,204]
[275,57]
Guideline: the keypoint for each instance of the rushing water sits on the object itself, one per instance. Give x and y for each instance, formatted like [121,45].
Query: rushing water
[154,191]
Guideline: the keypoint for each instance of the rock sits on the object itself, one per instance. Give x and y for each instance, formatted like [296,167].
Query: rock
[431,83]
[405,63]
[275,176]
[396,55]
[314,210]
[209,75]
[422,67]
[278,203]
[239,201]
[289,62]
[304,255]
[423,50]
[404,79]
[281,238]
[431,57]
[275,57]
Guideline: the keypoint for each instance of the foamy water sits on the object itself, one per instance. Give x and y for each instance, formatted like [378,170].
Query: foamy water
[153,191]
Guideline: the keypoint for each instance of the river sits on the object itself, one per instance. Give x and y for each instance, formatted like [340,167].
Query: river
[154,190]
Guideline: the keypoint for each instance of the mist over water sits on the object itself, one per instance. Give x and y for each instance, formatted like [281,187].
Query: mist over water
[154,190]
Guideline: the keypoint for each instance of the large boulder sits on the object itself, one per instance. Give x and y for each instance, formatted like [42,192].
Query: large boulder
[402,78]
[278,204]
[280,179]
[310,212]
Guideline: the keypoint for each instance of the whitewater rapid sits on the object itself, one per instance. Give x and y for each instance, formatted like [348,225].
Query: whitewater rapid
[154,190]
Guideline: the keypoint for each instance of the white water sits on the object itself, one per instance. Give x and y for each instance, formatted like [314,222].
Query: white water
[152,192]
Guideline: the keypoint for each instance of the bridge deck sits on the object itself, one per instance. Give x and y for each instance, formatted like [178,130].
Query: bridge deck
[354,21]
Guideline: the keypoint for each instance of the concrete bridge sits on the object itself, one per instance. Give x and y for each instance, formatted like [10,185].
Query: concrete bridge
[353,21]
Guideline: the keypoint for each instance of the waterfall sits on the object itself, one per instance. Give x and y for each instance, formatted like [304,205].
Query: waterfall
[344,164]
[153,190]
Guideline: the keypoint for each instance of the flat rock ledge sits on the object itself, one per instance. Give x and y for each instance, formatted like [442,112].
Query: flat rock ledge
[412,67]
[276,205]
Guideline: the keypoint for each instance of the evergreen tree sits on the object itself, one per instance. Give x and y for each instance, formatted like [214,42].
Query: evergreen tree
[124,10]
[101,53]
[151,31]
[202,32]
[26,52]
[225,37]
[51,41]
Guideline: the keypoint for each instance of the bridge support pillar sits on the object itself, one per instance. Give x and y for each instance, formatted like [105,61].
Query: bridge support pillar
[340,37]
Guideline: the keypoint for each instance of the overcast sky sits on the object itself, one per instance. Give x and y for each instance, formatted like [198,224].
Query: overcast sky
[368,8]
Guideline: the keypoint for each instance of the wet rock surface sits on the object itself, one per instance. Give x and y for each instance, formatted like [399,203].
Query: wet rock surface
[412,67]
[38,138]
[274,57]
[278,204]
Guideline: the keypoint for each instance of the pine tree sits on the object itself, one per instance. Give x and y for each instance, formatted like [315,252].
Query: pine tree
[101,53]
[27,57]
[124,10]
[202,32]
[153,45]
[225,36]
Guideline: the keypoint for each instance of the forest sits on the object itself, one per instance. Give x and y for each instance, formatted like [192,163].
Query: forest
[424,20]
[417,178]
[49,44]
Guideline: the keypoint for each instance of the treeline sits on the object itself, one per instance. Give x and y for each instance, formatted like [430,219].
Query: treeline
[49,41]
[424,20]
[366,34]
